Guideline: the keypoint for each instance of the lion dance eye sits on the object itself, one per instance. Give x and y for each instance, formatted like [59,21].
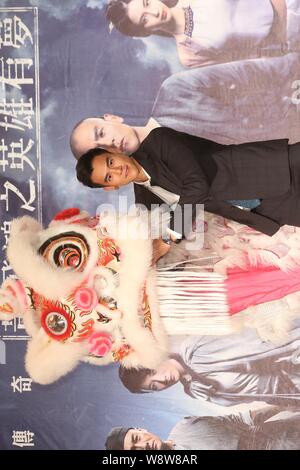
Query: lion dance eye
[67,250]
[56,323]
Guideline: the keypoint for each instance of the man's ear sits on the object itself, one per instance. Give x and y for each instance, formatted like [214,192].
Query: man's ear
[110,188]
[112,117]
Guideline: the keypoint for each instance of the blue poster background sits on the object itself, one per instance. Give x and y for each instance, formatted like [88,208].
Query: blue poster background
[85,70]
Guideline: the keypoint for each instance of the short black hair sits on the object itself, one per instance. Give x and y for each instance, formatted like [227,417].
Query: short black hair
[133,379]
[84,167]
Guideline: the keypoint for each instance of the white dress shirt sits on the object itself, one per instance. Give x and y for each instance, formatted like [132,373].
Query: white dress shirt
[169,198]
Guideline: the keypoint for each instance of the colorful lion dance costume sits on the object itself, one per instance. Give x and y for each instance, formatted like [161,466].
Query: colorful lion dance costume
[82,296]
[87,293]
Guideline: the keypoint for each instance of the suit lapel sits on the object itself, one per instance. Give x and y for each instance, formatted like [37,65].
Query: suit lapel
[146,162]
[160,174]
[146,197]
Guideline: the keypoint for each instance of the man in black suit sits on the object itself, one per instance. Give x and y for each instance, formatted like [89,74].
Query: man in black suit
[180,169]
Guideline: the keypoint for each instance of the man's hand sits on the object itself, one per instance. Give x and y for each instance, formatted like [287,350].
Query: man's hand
[160,248]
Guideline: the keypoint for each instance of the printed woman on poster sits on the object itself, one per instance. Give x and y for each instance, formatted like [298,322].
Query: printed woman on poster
[215,31]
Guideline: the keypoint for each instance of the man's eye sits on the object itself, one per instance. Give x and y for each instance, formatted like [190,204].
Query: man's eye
[110,162]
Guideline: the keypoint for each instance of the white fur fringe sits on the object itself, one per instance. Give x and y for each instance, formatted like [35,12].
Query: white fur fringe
[193,302]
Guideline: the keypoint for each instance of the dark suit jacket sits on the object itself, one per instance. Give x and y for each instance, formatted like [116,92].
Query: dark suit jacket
[201,171]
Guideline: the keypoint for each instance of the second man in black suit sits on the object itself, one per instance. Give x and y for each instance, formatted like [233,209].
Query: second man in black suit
[178,169]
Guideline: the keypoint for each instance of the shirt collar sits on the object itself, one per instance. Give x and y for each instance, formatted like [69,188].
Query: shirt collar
[145,160]
[144,183]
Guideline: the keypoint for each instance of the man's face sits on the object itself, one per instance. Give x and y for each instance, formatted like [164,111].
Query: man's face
[164,377]
[113,170]
[108,133]
[140,439]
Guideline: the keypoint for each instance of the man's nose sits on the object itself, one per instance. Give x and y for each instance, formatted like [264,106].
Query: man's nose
[141,445]
[104,142]
[107,141]
[117,169]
